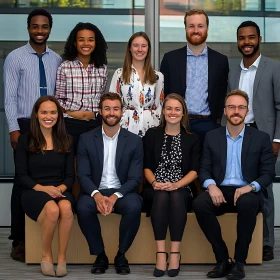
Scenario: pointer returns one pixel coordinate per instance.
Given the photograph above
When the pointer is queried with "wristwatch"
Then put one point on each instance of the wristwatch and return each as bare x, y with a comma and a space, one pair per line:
253, 186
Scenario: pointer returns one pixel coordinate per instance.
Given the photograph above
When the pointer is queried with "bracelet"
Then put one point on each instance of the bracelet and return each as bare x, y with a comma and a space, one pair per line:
153, 182
59, 189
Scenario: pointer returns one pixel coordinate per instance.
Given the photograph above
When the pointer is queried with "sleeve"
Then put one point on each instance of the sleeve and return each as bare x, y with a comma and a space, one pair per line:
84, 169
114, 86
11, 85
195, 153
21, 163
159, 93
135, 172
165, 71
276, 87
105, 78
148, 144
61, 86
69, 171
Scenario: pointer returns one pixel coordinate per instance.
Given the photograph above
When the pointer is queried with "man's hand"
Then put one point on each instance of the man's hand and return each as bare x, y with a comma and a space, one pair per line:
102, 203
276, 148
240, 191
14, 135
216, 195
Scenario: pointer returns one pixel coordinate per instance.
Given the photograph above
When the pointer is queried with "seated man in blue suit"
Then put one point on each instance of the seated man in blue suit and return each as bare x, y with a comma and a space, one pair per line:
237, 165
109, 168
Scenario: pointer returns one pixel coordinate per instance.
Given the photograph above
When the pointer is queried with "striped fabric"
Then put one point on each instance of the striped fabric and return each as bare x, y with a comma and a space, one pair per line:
78, 88
22, 81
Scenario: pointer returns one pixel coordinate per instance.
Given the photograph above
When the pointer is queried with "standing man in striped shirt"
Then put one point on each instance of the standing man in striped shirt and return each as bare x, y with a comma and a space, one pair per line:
29, 72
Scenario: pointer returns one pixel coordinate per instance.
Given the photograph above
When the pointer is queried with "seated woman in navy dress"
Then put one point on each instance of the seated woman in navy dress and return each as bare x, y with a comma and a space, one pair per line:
45, 168
171, 162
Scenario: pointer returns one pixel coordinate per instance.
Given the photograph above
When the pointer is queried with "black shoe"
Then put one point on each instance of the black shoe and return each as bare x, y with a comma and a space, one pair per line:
18, 252
268, 254
174, 272
121, 265
159, 272
101, 264
220, 270
237, 271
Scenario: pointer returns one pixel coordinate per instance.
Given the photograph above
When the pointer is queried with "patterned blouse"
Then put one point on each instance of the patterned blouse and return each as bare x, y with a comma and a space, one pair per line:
170, 165
142, 103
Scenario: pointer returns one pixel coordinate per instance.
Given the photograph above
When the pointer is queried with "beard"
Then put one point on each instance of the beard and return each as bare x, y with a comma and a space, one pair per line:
112, 123
33, 40
229, 118
255, 49
196, 41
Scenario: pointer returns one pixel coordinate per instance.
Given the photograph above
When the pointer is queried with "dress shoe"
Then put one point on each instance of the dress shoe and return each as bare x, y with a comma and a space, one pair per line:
159, 272
18, 252
174, 272
237, 271
101, 264
47, 268
61, 269
268, 254
121, 264
220, 270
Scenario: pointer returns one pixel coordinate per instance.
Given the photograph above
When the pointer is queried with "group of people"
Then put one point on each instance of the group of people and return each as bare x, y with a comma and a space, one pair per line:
149, 130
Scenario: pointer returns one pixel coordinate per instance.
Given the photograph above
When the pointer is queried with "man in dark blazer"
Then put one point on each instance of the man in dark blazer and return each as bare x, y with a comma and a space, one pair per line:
197, 73
237, 164
110, 168
259, 77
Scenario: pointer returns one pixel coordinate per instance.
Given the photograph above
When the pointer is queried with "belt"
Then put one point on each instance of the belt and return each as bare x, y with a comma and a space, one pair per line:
198, 117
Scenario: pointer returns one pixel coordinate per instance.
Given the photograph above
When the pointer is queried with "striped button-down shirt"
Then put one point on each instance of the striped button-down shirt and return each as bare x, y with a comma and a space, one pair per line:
79, 88
22, 81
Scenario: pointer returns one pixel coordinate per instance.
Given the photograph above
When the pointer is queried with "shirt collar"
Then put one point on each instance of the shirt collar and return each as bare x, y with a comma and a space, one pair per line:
204, 52
255, 64
31, 50
241, 134
116, 135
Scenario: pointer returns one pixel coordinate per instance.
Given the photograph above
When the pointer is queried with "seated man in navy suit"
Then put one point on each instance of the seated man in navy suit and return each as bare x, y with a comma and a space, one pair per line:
109, 168
237, 165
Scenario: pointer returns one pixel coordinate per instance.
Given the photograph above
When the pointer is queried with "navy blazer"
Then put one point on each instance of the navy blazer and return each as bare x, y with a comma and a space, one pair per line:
129, 160
257, 161
174, 67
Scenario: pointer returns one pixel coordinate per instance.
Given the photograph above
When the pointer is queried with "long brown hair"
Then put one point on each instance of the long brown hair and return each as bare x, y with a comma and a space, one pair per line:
149, 73
185, 119
61, 139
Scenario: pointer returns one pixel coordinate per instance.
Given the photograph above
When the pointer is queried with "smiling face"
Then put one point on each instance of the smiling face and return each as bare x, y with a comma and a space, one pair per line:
248, 41
39, 30
173, 111
85, 43
196, 29
139, 49
111, 112
47, 115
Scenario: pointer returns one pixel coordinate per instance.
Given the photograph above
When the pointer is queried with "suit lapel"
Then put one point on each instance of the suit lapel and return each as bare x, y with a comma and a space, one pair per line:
99, 146
236, 78
223, 150
120, 146
183, 69
245, 146
159, 141
211, 71
259, 73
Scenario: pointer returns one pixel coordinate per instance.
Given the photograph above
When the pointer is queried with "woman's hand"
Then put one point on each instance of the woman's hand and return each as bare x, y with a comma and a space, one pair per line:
158, 186
52, 191
169, 186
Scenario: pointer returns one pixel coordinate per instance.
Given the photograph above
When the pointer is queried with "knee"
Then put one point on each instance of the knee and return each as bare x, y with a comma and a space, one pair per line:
51, 212
199, 204
65, 209
86, 206
135, 206
248, 202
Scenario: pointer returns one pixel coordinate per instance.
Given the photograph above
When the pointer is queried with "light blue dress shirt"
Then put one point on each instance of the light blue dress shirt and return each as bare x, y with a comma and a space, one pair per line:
197, 83
233, 176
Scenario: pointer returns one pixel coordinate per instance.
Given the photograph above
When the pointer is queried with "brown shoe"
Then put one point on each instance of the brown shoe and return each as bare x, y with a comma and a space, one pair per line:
18, 252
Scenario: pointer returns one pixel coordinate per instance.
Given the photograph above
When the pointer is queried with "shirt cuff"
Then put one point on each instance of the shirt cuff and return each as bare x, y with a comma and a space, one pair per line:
208, 182
94, 192
276, 140
118, 194
258, 187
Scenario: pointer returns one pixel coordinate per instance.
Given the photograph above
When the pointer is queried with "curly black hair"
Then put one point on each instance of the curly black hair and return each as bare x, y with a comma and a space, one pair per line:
39, 12
98, 56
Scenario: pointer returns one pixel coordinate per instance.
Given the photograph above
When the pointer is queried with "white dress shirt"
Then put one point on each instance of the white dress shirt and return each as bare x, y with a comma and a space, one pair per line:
109, 179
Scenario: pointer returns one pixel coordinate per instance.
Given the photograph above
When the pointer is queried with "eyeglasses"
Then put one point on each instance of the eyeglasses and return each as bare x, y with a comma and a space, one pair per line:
240, 107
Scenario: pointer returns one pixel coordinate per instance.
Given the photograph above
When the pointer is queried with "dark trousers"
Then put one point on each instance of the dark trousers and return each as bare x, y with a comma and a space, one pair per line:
170, 209
77, 127
17, 213
129, 207
247, 208
202, 126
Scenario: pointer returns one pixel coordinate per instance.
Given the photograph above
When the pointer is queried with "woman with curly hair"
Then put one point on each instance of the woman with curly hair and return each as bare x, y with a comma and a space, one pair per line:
140, 86
82, 78
45, 170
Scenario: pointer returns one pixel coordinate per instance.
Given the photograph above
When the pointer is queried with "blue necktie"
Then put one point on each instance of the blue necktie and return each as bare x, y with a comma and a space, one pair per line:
43, 82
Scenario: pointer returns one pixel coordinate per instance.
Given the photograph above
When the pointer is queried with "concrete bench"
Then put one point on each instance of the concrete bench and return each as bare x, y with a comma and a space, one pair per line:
195, 247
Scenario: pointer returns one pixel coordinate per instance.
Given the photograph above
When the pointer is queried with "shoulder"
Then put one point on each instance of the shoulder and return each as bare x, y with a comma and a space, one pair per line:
66, 64
257, 134
54, 54
270, 61
154, 131
217, 54
16, 54
159, 75
118, 72
213, 134
132, 136
175, 53
90, 135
